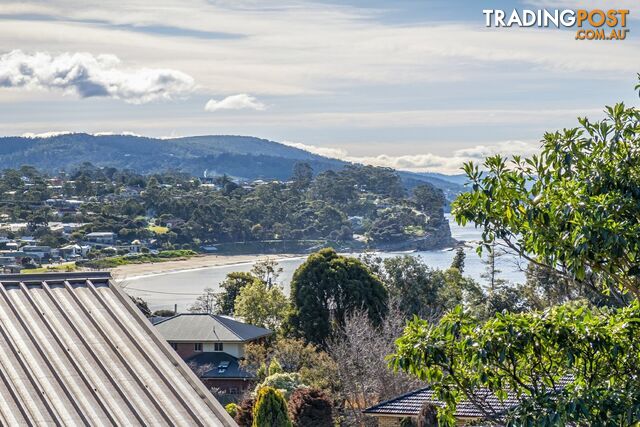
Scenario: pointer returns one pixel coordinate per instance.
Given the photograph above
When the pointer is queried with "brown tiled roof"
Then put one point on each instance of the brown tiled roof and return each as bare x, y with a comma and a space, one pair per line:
76, 351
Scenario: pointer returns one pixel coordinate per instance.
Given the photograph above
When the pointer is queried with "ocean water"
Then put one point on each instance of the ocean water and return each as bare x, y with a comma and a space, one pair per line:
162, 291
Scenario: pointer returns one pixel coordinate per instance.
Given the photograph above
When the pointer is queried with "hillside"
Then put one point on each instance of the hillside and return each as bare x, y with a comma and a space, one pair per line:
238, 156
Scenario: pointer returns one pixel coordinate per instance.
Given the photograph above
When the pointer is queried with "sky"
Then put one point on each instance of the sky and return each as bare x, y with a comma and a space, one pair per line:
415, 85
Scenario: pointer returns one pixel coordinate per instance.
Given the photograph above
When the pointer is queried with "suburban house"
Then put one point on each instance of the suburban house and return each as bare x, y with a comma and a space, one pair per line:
213, 346
100, 239
395, 412
77, 351
74, 251
38, 252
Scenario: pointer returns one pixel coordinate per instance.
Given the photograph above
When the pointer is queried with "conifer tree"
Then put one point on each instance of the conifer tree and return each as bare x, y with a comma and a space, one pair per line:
270, 409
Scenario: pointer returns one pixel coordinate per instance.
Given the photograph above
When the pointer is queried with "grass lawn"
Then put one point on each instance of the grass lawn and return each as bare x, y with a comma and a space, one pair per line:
65, 267
158, 229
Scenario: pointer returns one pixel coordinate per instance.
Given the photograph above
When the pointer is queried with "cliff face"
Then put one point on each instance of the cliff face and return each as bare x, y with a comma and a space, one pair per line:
438, 237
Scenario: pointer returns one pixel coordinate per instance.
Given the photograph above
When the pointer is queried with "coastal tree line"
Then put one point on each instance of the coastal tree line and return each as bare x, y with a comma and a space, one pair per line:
330, 206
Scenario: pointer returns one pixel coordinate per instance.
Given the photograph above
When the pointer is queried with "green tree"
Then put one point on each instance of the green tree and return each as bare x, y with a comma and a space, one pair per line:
261, 305
267, 270
416, 289
274, 367
326, 287
413, 285
458, 260
231, 287
310, 407
570, 365
302, 175
270, 409
574, 207
545, 287
430, 200
492, 272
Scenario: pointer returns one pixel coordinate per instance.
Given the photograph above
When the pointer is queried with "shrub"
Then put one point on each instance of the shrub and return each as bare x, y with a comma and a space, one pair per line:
285, 382
270, 409
244, 414
232, 409
275, 367
310, 407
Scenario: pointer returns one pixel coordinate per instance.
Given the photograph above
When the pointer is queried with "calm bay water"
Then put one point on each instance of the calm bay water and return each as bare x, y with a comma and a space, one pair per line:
182, 287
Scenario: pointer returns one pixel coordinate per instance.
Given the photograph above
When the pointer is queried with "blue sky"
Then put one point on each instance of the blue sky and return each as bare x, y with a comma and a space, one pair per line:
419, 85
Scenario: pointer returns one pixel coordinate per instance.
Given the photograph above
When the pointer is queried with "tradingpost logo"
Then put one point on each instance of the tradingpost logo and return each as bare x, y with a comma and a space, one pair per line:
596, 24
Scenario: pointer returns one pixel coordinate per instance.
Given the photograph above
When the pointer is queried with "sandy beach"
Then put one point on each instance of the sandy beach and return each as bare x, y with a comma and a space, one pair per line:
201, 261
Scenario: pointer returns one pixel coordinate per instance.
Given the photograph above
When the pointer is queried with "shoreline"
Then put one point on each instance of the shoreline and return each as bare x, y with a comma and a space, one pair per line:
200, 262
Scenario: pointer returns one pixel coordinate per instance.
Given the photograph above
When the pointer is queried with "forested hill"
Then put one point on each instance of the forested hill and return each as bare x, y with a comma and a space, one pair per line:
238, 156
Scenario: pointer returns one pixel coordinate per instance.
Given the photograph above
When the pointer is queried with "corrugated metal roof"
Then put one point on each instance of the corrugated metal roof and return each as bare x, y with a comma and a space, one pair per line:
76, 351
208, 327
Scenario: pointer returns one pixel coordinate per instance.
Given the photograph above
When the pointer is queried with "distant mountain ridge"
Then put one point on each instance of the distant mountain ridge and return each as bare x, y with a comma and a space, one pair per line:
242, 157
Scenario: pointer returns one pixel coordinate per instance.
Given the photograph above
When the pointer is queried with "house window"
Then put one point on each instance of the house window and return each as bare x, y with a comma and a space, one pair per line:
174, 346
217, 346
197, 346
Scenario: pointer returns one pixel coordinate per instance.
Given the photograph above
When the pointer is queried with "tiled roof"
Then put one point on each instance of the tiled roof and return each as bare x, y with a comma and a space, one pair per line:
217, 364
76, 351
410, 404
208, 327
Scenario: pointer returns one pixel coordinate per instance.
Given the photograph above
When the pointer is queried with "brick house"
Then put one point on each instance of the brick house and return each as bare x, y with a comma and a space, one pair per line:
400, 410
213, 346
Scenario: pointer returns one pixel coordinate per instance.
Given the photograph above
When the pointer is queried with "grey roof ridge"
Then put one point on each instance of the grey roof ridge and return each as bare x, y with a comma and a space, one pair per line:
213, 316
217, 317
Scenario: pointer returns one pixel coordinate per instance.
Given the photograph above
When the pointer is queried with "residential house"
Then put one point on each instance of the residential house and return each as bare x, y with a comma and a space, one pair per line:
129, 192
74, 251
213, 346
135, 247
11, 269
6, 260
77, 351
393, 412
12, 246
37, 252
100, 239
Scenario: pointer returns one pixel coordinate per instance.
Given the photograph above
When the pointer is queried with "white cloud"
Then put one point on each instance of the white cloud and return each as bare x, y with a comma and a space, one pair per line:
123, 133
45, 134
51, 134
86, 75
428, 162
311, 48
335, 153
241, 101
